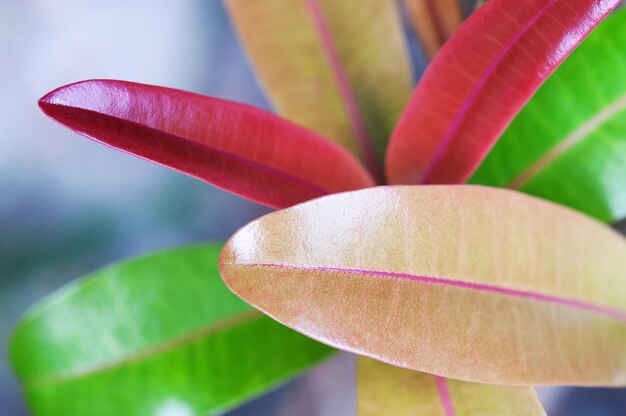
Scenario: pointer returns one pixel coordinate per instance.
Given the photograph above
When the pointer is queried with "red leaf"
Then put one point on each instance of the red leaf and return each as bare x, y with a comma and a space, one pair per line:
480, 80
239, 148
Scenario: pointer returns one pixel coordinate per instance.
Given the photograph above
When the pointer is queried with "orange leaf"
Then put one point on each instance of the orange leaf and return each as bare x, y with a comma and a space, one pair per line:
434, 21
466, 282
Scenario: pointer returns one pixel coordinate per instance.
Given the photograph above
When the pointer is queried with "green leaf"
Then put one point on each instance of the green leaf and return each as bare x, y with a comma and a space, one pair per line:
569, 143
152, 336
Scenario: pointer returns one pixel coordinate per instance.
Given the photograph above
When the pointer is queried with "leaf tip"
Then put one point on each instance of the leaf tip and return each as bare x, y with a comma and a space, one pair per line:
70, 95
241, 249
47, 102
226, 259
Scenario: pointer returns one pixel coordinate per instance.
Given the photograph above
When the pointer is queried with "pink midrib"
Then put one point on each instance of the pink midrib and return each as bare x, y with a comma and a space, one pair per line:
444, 396
345, 89
447, 138
614, 313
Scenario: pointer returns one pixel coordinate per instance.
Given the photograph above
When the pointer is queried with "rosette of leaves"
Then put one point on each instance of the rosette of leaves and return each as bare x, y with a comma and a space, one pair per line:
462, 297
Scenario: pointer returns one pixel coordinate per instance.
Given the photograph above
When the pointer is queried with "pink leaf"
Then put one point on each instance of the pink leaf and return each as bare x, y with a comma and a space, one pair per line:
236, 147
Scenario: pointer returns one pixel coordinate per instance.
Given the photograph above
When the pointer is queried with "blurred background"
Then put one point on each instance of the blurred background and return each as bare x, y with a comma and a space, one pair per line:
69, 206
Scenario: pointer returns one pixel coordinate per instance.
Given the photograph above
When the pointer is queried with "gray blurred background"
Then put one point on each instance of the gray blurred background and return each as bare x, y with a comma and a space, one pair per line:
69, 205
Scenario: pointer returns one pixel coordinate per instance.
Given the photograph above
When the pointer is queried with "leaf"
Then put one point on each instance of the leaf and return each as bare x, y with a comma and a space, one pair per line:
435, 21
239, 148
480, 80
393, 391
340, 68
569, 143
465, 282
155, 335
478, 4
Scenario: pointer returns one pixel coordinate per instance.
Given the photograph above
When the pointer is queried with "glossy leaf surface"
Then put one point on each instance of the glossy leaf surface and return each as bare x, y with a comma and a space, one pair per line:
434, 21
155, 335
480, 80
340, 68
385, 390
237, 147
466, 282
569, 143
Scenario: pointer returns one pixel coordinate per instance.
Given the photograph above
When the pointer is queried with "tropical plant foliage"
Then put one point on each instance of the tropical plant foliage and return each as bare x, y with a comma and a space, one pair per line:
567, 144
155, 332
469, 283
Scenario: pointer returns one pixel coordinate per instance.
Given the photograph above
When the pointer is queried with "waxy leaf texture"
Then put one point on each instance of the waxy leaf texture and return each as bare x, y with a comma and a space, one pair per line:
569, 143
385, 390
466, 282
480, 80
340, 68
434, 21
234, 146
156, 335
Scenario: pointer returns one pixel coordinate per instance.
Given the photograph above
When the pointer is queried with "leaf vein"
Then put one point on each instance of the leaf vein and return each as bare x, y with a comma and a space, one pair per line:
148, 352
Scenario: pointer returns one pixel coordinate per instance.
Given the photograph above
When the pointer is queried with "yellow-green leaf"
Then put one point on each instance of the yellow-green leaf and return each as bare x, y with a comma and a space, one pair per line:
466, 282
385, 390
340, 68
